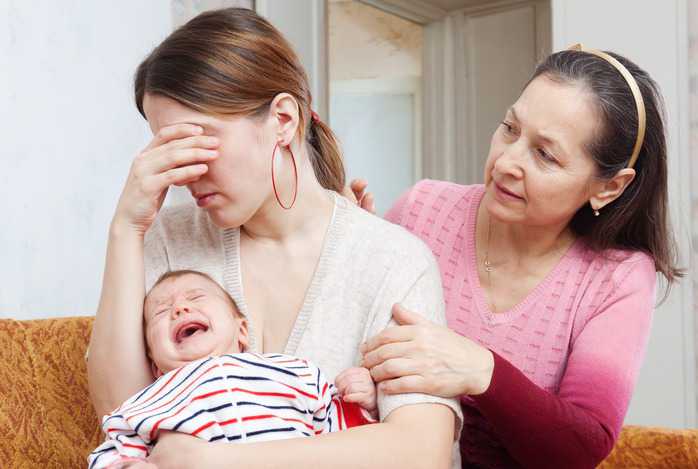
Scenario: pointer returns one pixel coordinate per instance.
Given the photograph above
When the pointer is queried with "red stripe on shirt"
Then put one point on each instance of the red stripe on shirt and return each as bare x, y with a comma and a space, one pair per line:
142, 448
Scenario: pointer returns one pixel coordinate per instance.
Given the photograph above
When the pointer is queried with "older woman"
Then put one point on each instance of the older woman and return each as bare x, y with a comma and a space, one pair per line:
549, 269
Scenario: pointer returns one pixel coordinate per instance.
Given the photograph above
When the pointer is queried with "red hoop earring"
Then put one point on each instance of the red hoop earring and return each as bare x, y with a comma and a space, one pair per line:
273, 179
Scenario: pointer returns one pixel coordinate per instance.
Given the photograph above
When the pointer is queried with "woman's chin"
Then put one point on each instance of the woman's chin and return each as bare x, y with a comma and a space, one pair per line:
224, 219
500, 212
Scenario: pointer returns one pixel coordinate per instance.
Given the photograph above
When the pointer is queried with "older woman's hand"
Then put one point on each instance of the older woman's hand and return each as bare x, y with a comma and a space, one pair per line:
419, 356
356, 192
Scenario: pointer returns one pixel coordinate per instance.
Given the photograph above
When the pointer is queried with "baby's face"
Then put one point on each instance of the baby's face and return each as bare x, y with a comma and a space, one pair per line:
188, 317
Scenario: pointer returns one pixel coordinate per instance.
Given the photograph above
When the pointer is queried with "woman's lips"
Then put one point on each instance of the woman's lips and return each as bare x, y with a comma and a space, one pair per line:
205, 200
505, 194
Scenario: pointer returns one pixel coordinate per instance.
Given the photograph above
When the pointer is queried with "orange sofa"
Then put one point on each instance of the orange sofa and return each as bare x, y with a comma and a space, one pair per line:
47, 421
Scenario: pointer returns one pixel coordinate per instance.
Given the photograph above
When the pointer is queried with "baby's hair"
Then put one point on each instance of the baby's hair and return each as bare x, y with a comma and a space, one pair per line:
179, 273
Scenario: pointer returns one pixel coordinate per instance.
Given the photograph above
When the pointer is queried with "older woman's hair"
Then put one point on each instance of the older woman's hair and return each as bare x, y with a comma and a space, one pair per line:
234, 62
639, 218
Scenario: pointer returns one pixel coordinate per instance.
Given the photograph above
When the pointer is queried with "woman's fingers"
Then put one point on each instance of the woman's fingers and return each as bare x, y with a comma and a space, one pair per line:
367, 203
364, 199
183, 152
349, 194
358, 186
172, 132
386, 352
389, 335
356, 192
404, 384
405, 317
394, 368
176, 176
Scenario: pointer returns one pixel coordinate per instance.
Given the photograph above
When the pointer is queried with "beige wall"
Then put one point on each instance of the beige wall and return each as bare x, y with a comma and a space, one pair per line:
368, 43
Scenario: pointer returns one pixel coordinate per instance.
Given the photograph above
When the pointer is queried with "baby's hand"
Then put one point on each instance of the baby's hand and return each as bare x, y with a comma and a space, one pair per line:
355, 385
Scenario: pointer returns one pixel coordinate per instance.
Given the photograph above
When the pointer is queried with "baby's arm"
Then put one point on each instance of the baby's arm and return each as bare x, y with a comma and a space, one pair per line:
122, 446
356, 385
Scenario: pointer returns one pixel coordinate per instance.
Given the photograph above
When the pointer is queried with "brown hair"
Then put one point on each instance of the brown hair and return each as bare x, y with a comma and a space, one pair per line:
234, 62
639, 218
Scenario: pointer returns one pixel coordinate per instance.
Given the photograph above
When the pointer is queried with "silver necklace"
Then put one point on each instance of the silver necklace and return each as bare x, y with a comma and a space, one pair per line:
488, 265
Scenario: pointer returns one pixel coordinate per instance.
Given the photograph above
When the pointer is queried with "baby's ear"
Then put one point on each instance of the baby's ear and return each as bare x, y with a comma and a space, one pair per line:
243, 334
155, 370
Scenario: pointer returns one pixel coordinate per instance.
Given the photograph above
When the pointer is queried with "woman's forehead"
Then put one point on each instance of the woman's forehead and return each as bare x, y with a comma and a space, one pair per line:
161, 111
561, 111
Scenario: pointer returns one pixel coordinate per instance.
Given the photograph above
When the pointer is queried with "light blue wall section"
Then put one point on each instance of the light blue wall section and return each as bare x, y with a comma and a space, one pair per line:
69, 130
376, 133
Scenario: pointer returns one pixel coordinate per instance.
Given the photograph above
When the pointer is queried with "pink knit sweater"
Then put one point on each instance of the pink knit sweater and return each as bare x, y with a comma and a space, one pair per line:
566, 358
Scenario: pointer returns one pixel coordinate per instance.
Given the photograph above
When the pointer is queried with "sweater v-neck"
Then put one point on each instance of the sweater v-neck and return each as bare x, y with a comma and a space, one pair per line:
486, 313
232, 276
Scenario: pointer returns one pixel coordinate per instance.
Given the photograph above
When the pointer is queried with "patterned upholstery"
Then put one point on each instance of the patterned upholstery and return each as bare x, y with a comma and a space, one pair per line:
652, 447
47, 421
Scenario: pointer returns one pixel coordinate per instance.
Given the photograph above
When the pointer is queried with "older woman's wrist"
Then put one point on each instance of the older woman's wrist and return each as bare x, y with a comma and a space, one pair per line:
483, 378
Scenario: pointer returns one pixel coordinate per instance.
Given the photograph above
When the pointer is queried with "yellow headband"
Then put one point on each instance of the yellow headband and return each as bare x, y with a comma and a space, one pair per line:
639, 103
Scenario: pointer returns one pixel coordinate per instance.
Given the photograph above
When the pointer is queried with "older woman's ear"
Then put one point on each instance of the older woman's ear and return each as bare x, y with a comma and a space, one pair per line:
606, 192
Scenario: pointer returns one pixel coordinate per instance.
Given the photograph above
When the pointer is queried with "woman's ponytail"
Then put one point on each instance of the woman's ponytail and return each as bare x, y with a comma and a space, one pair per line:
326, 156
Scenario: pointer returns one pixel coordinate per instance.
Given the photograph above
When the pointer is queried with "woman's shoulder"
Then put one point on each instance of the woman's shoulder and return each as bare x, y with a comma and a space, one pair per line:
374, 239
612, 277
428, 198
621, 265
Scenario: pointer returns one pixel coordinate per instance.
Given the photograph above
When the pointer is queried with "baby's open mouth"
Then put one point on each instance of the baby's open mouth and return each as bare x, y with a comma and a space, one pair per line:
189, 329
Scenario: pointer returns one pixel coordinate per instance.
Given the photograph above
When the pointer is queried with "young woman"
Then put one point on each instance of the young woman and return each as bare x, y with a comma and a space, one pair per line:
314, 275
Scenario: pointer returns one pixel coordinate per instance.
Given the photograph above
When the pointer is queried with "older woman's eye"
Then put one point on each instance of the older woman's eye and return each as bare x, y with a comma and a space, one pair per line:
508, 127
546, 156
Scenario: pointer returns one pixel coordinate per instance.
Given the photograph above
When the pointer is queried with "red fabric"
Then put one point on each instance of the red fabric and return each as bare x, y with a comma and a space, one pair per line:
353, 415
539, 429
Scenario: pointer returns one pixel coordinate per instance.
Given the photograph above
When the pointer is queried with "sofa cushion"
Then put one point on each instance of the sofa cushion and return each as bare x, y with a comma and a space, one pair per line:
652, 447
46, 418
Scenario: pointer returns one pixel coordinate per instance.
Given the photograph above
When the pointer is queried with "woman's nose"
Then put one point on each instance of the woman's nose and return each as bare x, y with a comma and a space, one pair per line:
509, 161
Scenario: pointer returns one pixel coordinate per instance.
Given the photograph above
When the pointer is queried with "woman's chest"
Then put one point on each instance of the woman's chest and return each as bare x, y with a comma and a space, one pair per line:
275, 294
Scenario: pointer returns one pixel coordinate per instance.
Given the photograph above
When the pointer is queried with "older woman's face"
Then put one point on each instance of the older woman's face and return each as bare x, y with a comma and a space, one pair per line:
538, 171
